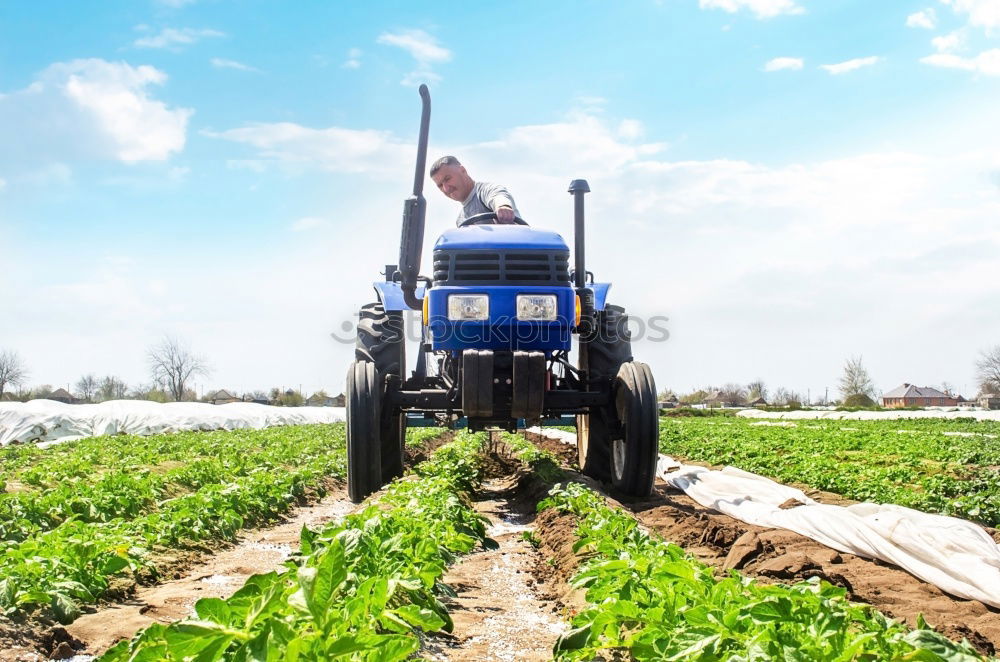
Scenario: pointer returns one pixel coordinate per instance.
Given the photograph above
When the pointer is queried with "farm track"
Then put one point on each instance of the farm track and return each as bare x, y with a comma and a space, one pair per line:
776, 555
501, 611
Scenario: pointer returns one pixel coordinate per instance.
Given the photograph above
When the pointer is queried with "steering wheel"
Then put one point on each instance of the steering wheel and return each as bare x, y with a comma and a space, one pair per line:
489, 217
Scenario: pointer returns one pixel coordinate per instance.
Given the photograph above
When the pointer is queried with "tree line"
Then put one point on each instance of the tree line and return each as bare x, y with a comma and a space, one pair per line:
172, 365
855, 386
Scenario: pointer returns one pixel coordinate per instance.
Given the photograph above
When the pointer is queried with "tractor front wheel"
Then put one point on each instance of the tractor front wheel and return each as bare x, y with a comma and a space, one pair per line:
364, 430
634, 450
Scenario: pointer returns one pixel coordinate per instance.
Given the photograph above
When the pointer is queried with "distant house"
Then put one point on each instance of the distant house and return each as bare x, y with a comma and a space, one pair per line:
62, 395
339, 400
909, 395
718, 399
989, 401
320, 400
222, 396
759, 402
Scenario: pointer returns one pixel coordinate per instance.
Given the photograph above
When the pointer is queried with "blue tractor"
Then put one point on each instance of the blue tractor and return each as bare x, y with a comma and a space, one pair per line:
499, 317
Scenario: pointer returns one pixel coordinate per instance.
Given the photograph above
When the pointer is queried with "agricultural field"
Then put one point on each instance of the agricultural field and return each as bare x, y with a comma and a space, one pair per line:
950, 467
489, 548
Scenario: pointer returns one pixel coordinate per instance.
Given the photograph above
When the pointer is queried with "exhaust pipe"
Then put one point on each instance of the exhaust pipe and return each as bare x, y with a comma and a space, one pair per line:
414, 212
579, 188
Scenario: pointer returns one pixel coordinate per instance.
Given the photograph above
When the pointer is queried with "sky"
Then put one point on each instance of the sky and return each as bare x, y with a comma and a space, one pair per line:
790, 182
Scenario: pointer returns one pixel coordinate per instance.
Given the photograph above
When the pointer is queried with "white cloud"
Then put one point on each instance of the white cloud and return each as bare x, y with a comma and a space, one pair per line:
333, 149
631, 129
220, 63
925, 18
309, 223
987, 62
353, 60
779, 63
948, 42
424, 48
86, 109
173, 38
850, 65
760, 8
982, 13
3, 184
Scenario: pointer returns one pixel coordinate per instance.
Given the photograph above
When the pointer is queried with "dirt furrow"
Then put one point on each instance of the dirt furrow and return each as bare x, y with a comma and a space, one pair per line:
500, 611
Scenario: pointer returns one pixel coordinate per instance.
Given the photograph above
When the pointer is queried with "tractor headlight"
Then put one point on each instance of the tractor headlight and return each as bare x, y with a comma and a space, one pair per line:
536, 307
468, 307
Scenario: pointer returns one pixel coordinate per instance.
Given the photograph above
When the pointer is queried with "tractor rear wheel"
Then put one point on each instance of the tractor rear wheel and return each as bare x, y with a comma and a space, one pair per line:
634, 452
364, 443
381, 341
610, 347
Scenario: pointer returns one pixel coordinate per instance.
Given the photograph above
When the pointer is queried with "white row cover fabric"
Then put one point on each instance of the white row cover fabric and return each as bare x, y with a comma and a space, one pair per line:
47, 421
978, 414
955, 555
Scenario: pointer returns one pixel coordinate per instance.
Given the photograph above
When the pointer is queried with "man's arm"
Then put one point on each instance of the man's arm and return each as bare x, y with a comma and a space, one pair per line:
499, 199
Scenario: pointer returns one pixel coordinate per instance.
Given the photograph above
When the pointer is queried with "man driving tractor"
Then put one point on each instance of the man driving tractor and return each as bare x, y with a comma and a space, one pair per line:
454, 181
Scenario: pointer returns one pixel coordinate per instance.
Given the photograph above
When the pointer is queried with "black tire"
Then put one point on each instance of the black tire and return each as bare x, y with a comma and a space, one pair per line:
634, 454
593, 446
364, 461
381, 341
393, 436
608, 349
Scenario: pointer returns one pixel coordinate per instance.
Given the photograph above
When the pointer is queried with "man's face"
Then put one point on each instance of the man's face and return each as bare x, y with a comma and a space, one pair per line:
454, 182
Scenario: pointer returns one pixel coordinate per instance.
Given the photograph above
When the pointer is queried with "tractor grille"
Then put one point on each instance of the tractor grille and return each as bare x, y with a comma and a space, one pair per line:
497, 268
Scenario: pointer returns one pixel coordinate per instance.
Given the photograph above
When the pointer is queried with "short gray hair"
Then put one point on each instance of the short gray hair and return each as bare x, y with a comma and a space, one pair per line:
442, 162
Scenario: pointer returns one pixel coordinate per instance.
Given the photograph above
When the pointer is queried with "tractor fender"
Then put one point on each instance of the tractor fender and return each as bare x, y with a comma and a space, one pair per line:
600, 294
391, 295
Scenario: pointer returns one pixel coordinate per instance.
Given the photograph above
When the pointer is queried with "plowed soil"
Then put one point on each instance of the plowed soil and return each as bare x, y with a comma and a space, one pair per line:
778, 555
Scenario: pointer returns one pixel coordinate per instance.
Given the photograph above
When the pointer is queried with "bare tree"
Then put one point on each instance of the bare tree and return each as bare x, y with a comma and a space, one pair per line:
756, 389
86, 387
987, 370
784, 397
733, 393
856, 380
12, 370
172, 365
111, 388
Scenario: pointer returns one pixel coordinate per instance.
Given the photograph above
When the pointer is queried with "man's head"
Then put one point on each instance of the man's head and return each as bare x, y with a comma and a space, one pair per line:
451, 178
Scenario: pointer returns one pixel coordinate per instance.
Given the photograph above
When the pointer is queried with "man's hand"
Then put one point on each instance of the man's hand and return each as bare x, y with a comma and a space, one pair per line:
505, 214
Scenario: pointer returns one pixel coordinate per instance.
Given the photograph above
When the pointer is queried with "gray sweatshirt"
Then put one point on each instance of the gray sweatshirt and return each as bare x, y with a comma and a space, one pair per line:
486, 197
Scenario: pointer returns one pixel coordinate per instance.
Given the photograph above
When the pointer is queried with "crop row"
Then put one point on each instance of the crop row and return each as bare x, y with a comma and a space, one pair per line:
910, 463
99, 480
360, 588
75, 561
650, 601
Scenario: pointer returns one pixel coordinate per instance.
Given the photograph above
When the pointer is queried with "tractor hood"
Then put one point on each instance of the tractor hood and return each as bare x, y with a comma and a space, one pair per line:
497, 237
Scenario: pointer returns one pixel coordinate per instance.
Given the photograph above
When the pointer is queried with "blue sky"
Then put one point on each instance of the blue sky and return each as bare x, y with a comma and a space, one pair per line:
792, 182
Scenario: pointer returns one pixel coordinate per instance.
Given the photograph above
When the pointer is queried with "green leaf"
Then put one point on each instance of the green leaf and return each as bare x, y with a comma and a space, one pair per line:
573, 640
946, 649
420, 617
65, 608
214, 609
